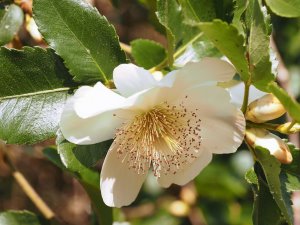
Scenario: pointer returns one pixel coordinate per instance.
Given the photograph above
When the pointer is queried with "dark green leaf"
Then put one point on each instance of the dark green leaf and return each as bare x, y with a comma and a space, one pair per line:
291, 106
147, 53
285, 8
258, 47
11, 19
81, 36
290, 174
233, 47
33, 90
18, 218
271, 169
265, 209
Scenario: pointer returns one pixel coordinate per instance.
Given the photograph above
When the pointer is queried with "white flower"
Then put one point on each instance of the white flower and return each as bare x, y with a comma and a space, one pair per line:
172, 126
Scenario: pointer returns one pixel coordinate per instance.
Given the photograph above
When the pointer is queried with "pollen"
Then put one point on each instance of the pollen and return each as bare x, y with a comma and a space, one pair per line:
164, 138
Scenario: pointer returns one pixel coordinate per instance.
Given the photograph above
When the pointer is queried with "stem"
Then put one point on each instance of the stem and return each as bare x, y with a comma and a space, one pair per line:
182, 48
290, 126
268, 126
246, 97
28, 189
125, 47
103, 213
164, 63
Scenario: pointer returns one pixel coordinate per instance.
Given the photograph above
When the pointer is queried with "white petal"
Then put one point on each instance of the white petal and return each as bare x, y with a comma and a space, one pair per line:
188, 173
92, 101
206, 72
119, 185
130, 79
222, 124
237, 94
90, 130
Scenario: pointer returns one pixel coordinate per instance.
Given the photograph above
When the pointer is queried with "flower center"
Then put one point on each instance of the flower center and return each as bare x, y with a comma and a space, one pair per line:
165, 137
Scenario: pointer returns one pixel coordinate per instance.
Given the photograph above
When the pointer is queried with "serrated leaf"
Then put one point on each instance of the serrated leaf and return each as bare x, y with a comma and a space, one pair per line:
291, 106
258, 46
271, 169
265, 209
81, 36
290, 174
233, 47
33, 90
285, 8
18, 218
147, 53
11, 19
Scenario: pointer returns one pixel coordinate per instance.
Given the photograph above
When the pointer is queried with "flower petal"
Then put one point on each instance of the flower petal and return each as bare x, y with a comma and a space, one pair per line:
237, 94
119, 185
206, 72
222, 124
188, 173
92, 101
90, 130
130, 79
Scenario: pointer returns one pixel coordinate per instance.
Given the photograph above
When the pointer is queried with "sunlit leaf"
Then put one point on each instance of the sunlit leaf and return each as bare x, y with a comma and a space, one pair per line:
18, 218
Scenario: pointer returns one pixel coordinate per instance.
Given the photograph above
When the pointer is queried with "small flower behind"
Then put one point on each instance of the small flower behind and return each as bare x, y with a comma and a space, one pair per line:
172, 126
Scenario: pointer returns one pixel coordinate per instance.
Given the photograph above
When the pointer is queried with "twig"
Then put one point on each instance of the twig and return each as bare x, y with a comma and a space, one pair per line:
26, 187
125, 47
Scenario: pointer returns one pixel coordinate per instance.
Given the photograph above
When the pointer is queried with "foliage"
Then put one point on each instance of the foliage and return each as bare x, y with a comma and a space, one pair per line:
83, 48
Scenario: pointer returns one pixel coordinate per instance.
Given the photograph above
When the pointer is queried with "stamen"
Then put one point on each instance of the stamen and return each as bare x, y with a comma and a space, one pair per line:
167, 137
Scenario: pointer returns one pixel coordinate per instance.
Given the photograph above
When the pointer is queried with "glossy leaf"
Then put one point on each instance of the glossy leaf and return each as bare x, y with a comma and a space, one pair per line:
271, 169
33, 92
258, 47
239, 10
11, 19
81, 36
18, 218
285, 8
233, 47
147, 53
291, 106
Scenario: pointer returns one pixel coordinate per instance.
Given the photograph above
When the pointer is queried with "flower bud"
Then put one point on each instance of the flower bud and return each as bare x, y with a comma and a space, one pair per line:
276, 146
265, 108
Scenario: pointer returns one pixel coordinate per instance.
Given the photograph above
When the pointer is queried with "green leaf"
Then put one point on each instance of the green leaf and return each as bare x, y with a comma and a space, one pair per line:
291, 106
271, 169
233, 47
290, 174
258, 47
18, 218
11, 19
81, 36
147, 53
285, 8
240, 7
33, 89
168, 14
265, 209
196, 11
251, 177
